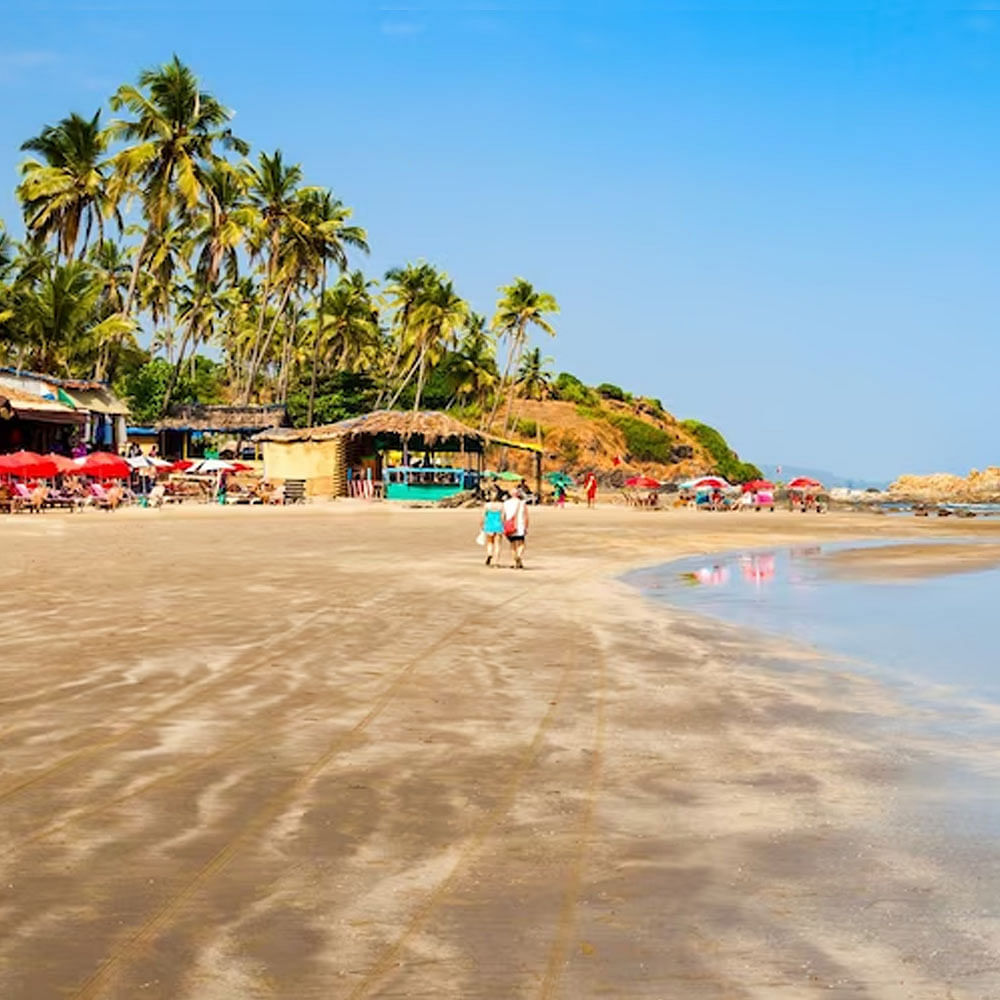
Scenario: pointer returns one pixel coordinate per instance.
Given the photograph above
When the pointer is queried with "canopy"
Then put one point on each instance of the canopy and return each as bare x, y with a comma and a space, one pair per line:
804, 483
147, 462
103, 465
757, 484
214, 465
707, 482
25, 464
643, 482
559, 479
63, 464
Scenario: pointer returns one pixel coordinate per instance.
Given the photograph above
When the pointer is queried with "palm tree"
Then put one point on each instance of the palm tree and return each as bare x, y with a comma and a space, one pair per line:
57, 313
534, 379
404, 288
199, 308
437, 316
347, 327
329, 235
175, 128
474, 363
519, 307
275, 195
223, 222
68, 186
7, 258
115, 331
167, 254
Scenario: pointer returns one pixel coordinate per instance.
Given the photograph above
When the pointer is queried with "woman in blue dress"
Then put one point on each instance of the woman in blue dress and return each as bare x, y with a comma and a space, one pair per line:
493, 530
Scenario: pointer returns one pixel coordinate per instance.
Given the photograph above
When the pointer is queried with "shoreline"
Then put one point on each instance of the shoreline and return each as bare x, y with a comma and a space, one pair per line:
422, 775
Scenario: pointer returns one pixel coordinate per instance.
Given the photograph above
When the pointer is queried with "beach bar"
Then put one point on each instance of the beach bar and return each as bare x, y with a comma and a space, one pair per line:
390, 454
183, 431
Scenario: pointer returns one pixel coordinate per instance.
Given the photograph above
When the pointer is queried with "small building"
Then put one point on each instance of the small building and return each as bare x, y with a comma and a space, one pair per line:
394, 454
189, 428
43, 413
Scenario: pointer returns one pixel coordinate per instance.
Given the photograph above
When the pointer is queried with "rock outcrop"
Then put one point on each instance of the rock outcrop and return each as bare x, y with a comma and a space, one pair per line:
978, 487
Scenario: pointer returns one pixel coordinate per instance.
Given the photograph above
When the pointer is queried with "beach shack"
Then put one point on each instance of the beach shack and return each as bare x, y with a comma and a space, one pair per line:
189, 429
43, 413
390, 454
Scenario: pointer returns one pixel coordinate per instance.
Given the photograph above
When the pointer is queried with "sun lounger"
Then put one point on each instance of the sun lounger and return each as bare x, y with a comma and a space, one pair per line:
56, 498
31, 500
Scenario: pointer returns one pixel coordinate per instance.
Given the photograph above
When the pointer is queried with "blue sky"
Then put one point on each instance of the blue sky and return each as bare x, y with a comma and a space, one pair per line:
780, 221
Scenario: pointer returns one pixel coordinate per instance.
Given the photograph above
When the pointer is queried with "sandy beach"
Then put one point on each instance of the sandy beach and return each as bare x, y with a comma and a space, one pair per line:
325, 752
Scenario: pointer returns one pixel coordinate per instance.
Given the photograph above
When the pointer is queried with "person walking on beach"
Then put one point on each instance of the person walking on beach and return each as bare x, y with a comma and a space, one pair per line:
515, 526
590, 488
493, 530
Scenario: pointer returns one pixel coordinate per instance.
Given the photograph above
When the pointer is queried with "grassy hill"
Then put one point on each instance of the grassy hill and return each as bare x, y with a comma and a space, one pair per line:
617, 435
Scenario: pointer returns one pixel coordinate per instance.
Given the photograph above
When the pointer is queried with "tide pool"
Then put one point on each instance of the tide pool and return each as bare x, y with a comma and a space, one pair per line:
937, 632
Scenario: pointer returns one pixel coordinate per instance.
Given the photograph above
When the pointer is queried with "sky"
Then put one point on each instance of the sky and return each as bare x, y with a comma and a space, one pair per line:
778, 218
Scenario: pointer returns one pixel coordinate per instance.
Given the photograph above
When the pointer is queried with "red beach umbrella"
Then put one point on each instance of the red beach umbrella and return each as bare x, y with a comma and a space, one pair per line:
63, 464
757, 484
181, 465
710, 482
805, 483
643, 482
104, 465
26, 464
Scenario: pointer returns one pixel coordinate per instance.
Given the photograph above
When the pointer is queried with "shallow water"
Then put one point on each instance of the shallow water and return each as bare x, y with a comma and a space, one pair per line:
933, 639
936, 631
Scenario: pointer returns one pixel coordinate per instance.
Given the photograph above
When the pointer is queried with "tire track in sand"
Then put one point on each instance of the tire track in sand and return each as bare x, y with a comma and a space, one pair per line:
473, 844
567, 915
260, 735
269, 811
191, 695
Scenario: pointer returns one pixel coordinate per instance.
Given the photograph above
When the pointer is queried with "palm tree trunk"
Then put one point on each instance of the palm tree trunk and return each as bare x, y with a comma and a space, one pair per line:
286, 359
258, 356
316, 343
175, 373
134, 279
503, 382
420, 380
404, 383
261, 316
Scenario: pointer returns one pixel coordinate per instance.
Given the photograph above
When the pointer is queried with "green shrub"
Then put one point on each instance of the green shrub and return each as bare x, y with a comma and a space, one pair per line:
590, 412
644, 442
526, 428
571, 390
610, 391
727, 462
569, 449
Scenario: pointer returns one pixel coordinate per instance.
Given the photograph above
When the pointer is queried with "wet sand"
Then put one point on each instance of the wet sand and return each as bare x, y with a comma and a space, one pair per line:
325, 752
911, 561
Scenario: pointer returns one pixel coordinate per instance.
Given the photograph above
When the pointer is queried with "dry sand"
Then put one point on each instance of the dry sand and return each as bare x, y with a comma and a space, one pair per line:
325, 753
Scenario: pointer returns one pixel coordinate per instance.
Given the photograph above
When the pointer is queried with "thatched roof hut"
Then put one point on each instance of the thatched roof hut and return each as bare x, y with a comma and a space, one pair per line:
301, 452
432, 428
222, 419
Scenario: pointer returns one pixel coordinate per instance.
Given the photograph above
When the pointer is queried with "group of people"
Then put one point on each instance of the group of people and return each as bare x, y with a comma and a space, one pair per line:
505, 516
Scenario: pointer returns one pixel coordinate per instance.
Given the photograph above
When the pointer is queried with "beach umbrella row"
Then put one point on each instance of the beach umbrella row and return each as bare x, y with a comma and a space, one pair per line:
28, 464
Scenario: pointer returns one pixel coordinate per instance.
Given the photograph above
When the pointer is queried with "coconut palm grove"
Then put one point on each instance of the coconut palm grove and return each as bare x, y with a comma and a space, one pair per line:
163, 255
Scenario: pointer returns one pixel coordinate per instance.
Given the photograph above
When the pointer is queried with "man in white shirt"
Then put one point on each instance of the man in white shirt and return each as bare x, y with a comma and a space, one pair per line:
515, 526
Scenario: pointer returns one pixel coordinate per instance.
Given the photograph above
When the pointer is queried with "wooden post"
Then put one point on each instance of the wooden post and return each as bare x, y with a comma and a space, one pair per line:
538, 475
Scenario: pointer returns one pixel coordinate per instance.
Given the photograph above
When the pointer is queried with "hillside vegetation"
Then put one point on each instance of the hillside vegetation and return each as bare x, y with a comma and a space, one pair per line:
617, 435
